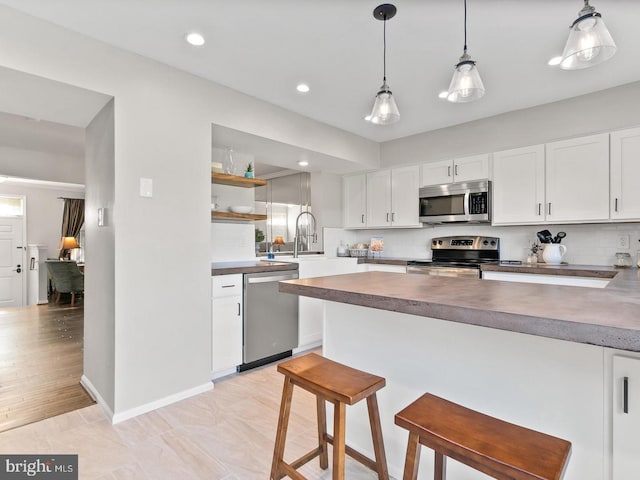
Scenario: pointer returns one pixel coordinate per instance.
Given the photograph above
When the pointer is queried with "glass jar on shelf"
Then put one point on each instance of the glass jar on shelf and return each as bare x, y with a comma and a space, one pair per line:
229, 162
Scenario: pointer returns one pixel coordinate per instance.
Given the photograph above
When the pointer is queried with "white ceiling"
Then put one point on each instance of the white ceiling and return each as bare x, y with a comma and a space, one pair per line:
265, 48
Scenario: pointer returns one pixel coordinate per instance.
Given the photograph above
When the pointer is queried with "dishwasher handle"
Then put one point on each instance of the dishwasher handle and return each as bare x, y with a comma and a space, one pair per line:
272, 278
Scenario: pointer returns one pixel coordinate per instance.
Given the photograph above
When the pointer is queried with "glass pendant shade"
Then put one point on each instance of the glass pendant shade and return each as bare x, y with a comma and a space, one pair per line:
589, 42
466, 84
385, 111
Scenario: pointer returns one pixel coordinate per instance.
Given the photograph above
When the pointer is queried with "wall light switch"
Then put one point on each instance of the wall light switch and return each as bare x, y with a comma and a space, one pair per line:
146, 187
101, 215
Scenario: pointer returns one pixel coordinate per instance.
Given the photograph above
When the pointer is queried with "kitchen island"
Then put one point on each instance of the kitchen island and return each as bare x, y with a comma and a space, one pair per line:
541, 356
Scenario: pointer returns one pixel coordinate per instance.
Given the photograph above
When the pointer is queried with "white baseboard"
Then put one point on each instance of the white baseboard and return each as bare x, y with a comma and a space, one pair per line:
86, 383
309, 346
168, 400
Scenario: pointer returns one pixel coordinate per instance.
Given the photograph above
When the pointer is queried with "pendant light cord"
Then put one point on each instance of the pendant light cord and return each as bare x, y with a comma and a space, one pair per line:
384, 50
465, 26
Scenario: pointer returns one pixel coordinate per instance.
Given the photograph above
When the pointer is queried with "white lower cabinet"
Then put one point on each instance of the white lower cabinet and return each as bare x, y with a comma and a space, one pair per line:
226, 329
626, 417
385, 267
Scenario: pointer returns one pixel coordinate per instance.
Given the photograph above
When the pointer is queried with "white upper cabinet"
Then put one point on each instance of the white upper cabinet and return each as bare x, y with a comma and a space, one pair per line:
577, 179
463, 169
625, 172
404, 197
518, 186
354, 201
392, 198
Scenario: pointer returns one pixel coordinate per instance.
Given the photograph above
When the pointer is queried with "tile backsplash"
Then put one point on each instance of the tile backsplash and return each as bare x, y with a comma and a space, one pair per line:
592, 244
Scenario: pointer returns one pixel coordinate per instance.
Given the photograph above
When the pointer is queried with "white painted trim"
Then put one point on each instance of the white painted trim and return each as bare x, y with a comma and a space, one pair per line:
86, 383
223, 373
148, 407
77, 187
309, 346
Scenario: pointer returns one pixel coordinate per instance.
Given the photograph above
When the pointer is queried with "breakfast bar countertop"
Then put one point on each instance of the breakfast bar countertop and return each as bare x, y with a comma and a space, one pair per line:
608, 317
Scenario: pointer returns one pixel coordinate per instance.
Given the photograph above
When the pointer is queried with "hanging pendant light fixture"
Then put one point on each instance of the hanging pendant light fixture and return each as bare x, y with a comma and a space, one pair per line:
385, 111
466, 84
589, 41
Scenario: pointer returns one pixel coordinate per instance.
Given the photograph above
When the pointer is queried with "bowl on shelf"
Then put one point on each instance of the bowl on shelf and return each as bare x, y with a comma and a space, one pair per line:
240, 209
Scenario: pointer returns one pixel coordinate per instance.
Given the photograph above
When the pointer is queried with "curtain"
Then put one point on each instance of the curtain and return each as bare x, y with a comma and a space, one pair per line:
72, 218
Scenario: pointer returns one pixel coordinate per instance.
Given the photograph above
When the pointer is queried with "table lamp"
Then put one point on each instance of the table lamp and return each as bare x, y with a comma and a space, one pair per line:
278, 241
66, 244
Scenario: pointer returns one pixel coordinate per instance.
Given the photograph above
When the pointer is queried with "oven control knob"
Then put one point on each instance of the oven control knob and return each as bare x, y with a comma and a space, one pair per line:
493, 243
435, 242
439, 242
486, 242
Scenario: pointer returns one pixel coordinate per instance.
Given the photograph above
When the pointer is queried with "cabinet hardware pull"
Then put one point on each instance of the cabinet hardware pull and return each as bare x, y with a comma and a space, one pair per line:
616, 209
393, 216
448, 171
227, 286
625, 395
362, 220
238, 308
540, 209
549, 208
456, 170
387, 217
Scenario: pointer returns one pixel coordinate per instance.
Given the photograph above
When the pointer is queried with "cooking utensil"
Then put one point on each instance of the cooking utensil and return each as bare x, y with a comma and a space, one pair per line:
545, 236
558, 238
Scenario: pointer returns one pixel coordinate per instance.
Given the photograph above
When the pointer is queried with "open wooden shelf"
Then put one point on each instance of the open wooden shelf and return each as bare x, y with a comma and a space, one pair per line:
237, 181
238, 216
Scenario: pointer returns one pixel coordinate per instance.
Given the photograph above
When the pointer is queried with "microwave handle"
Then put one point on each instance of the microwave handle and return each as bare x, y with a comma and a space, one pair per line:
467, 204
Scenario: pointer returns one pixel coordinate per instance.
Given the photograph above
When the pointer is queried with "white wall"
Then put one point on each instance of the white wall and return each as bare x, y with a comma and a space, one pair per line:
162, 123
44, 212
597, 112
54, 167
100, 324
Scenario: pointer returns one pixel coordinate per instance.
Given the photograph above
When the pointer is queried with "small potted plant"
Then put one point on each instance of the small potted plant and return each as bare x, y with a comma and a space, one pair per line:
259, 239
249, 172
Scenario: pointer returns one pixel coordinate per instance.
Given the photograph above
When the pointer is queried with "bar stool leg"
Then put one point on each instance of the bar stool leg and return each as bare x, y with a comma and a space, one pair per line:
440, 467
281, 435
412, 460
322, 432
339, 413
376, 434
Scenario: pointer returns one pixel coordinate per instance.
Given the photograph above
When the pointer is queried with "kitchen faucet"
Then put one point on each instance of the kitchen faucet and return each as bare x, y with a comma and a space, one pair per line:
296, 238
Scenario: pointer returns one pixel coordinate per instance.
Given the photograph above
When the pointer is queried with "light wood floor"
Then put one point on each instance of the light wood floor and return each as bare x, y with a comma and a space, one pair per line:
40, 363
225, 434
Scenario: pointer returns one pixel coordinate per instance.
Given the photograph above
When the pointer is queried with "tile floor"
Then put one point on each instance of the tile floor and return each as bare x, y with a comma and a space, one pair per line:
225, 434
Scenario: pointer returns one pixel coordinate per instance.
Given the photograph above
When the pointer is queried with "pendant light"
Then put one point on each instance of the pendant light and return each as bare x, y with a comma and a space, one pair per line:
466, 84
385, 111
589, 41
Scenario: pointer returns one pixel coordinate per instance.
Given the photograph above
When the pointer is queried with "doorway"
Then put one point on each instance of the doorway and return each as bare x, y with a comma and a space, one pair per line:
12, 255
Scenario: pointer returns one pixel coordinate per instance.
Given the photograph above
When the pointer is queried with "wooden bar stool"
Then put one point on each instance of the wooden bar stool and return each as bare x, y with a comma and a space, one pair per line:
501, 450
341, 385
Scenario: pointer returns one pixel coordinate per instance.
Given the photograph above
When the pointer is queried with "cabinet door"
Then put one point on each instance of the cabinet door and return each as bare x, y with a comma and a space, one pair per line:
379, 198
626, 418
625, 172
404, 197
475, 167
354, 200
436, 173
518, 186
227, 333
577, 179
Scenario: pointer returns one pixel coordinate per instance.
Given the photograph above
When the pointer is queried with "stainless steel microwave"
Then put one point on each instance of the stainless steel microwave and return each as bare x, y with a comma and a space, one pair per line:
456, 202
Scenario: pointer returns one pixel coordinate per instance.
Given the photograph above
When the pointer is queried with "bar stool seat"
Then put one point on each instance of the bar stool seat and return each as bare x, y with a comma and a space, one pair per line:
341, 385
497, 448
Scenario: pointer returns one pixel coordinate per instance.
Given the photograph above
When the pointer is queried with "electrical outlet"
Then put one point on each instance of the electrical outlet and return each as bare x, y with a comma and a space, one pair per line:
623, 241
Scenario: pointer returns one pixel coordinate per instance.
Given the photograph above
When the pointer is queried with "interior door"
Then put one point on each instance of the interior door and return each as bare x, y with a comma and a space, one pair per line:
11, 257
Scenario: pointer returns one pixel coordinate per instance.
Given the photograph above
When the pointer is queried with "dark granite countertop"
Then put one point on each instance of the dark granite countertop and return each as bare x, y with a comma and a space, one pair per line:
250, 266
608, 317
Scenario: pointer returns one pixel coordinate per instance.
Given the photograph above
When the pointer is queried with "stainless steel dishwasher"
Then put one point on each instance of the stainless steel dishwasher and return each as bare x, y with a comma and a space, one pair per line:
270, 319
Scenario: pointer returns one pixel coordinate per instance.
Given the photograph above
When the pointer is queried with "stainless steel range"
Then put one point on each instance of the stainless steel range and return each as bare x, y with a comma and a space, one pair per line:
459, 256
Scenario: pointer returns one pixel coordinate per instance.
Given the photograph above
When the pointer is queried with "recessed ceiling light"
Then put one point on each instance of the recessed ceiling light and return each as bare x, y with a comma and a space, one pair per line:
443, 94
195, 39
303, 163
555, 61
303, 88
368, 118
